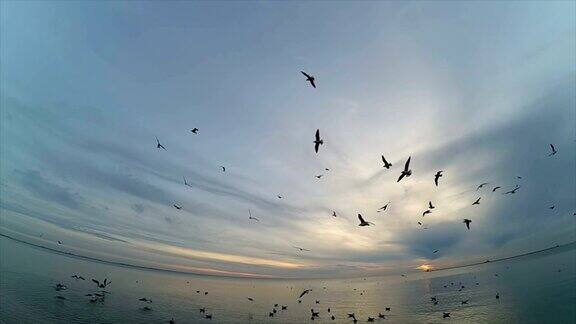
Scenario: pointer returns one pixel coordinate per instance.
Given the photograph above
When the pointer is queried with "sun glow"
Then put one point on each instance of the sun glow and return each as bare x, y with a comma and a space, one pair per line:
425, 267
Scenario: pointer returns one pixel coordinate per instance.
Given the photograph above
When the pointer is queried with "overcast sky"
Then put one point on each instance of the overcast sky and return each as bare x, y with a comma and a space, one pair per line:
478, 90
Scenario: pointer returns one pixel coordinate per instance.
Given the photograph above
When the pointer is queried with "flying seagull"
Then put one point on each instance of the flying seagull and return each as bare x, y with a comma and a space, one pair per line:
223, 168
363, 222
426, 212
301, 250
317, 141
406, 172
513, 191
177, 207
334, 214
251, 217
496, 188
435, 251
482, 185
194, 130
467, 222
309, 78
477, 202
186, 182
437, 176
430, 205
319, 176
387, 164
279, 197
304, 293
158, 145
383, 208
102, 285
553, 150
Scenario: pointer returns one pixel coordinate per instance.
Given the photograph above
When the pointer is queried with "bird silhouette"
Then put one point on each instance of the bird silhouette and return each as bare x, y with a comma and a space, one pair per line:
223, 168
496, 188
406, 172
301, 250
363, 222
437, 176
430, 205
194, 130
513, 191
250, 298
477, 202
481, 185
177, 207
186, 182
319, 176
387, 165
334, 214
553, 150
306, 291
426, 212
467, 222
158, 145
446, 315
317, 141
383, 208
309, 78
251, 217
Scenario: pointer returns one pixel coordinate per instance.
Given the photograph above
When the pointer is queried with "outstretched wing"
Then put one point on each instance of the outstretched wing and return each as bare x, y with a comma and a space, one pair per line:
317, 135
407, 165
361, 219
305, 74
553, 149
312, 83
436, 179
401, 176
316, 147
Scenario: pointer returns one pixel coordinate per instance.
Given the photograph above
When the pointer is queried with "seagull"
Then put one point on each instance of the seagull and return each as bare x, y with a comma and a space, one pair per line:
177, 207
482, 185
551, 207
437, 176
497, 295
59, 242
467, 222
465, 302
279, 197
406, 172
383, 208
380, 315
186, 182
194, 130
426, 212
309, 78
363, 222
319, 176
101, 285
250, 298
314, 314
251, 217
145, 300
304, 293
387, 164
317, 141
158, 145
334, 214
430, 205
223, 169
446, 315
553, 150
513, 191
301, 250
496, 188
477, 202
435, 251
203, 310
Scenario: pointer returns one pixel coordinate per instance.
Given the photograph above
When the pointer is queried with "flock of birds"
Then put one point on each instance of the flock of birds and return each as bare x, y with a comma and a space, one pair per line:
99, 295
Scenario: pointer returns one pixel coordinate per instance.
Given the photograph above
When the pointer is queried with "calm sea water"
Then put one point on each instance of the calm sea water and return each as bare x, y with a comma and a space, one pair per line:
536, 289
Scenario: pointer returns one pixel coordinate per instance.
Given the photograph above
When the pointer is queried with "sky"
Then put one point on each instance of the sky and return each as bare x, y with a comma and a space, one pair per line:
476, 89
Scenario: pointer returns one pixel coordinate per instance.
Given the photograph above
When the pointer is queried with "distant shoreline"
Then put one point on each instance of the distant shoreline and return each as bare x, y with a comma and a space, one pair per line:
146, 268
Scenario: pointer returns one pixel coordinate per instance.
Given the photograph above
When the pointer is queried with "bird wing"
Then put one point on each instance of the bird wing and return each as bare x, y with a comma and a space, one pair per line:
436, 180
552, 146
312, 83
407, 165
361, 219
384, 160
96, 281
316, 147
318, 135
401, 176
305, 74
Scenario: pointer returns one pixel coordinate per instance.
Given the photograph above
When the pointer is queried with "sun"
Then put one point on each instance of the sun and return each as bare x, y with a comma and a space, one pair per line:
425, 267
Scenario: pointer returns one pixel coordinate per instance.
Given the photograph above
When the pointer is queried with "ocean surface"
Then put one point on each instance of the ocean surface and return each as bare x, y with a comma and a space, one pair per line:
539, 288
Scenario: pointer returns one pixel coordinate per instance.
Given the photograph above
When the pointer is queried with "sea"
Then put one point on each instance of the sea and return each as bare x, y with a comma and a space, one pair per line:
537, 288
